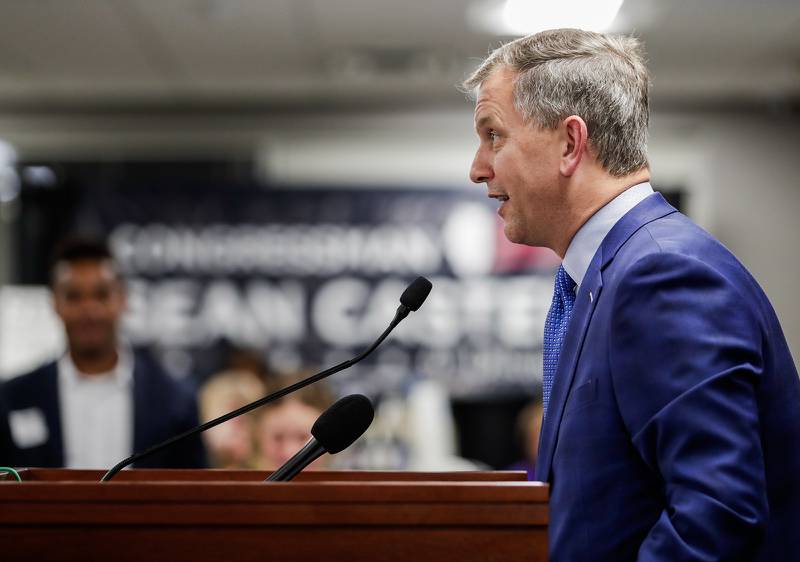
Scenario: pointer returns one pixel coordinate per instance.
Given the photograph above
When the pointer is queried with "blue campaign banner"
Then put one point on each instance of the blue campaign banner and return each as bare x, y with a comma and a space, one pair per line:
310, 277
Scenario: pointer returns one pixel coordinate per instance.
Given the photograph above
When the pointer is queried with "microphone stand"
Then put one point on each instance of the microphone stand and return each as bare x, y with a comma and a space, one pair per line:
402, 312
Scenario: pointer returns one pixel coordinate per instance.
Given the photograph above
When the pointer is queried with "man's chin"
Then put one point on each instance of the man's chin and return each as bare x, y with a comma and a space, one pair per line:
512, 234
92, 350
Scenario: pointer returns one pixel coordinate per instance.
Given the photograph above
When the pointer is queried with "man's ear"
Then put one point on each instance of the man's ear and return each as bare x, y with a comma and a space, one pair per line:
575, 139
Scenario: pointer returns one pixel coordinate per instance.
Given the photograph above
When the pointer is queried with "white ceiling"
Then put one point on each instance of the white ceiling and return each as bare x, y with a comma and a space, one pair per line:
128, 54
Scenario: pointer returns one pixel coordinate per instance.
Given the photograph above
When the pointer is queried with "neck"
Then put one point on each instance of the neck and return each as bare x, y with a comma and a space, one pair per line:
588, 197
94, 362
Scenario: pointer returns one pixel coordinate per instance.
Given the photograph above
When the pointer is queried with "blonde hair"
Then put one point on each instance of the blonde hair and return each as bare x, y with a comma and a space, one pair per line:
230, 445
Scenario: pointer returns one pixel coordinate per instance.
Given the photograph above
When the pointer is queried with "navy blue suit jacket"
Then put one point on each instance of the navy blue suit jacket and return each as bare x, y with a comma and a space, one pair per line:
162, 408
673, 431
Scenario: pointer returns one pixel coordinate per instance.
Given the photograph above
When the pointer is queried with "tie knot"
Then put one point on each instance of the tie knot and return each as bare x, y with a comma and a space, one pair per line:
564, 283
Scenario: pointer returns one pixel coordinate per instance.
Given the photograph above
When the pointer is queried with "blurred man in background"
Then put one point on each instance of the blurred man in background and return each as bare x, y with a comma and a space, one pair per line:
100, 401
671, 400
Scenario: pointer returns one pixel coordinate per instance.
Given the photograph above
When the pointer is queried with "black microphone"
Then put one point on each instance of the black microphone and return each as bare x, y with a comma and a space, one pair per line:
334, 431
411, 299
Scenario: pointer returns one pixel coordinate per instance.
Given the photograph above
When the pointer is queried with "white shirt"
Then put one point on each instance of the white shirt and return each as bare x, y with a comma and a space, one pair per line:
587, 240
96, 413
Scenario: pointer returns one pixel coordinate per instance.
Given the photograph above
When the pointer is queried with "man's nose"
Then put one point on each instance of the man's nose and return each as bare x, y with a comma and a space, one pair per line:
481, 170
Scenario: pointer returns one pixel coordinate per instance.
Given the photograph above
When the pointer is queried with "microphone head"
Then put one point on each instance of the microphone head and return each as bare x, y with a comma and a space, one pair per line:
342, 423
416, 293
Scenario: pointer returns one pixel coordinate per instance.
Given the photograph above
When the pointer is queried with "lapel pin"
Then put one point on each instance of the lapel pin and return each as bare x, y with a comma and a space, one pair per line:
591, 298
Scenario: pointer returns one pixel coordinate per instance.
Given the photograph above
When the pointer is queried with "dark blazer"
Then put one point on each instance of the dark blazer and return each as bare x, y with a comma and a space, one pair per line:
162, 407
673, 431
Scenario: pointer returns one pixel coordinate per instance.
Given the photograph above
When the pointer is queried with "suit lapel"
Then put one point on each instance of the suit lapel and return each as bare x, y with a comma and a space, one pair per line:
51, 407
650, 209
142, 428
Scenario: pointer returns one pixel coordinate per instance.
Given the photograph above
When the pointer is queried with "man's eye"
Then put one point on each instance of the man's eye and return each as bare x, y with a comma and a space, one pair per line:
102, 294
492, 135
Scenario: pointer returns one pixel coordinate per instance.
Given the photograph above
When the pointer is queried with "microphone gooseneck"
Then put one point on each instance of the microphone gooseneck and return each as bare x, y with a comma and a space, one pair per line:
411, 299
335, 430
310, 452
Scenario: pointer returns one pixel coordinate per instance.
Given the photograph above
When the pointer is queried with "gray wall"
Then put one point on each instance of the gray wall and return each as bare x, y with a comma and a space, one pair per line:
739, 169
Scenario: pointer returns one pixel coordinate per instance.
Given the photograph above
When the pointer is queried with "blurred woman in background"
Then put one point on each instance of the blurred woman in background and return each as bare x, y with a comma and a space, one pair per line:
231, 444
284, 426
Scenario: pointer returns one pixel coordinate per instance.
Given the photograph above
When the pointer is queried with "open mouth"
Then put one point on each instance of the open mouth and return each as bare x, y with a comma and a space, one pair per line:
502, 198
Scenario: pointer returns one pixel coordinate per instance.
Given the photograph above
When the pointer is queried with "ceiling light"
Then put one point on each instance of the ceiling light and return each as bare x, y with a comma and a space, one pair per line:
522, 17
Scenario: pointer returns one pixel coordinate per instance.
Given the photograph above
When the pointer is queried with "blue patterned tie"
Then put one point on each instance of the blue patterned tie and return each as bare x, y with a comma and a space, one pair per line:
555, 329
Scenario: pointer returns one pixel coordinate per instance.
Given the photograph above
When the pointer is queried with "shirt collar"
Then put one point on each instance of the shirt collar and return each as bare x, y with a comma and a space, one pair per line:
587, 240
121, 374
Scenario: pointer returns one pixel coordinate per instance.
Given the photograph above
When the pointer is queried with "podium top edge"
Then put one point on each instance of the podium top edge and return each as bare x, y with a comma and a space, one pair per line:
30, 475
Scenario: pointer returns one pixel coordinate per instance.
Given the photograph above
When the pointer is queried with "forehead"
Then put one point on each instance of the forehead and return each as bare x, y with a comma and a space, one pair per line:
496, 93
290, 413
84, 271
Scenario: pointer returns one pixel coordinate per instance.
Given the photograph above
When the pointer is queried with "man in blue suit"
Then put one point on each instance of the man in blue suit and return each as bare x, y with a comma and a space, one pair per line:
672, 403
100, 401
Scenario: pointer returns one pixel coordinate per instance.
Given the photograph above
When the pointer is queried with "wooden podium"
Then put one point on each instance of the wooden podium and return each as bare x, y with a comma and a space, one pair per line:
222, 515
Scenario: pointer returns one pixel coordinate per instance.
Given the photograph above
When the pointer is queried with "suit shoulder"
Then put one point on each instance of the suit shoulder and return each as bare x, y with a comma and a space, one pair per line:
680, 259
153, 377
676, 238
674, 233
31, 380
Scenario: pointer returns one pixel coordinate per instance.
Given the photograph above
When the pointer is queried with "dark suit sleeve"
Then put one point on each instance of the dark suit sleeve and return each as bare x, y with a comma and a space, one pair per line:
686, 358
190, 452
6, 443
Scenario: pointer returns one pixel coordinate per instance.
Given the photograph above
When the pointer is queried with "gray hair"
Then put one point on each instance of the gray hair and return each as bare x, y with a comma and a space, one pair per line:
601, 78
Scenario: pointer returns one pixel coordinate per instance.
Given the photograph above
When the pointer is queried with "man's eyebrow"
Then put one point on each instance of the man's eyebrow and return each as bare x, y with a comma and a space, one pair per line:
482, 121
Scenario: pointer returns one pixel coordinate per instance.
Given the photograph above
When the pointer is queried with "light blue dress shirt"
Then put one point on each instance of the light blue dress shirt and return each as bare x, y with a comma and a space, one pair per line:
587, 240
